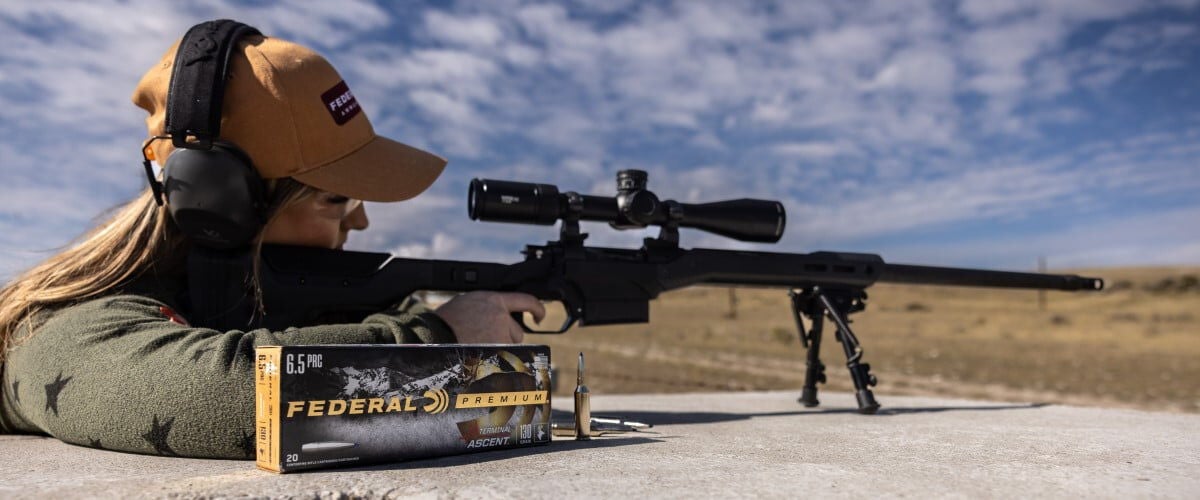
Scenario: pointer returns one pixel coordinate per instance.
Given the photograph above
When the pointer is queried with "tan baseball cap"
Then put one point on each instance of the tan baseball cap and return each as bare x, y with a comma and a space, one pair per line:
291, 112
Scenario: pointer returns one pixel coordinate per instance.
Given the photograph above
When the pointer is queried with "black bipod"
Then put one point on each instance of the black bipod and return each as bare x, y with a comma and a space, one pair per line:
815, 303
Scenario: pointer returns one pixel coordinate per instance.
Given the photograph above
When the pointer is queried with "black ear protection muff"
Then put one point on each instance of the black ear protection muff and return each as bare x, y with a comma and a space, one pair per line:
212, 190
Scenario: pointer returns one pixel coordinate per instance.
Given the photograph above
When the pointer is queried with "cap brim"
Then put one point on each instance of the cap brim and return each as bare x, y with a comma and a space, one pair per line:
382, 170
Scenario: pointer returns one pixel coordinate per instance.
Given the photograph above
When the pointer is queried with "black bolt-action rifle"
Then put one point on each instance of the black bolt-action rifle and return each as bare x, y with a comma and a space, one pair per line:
597, 286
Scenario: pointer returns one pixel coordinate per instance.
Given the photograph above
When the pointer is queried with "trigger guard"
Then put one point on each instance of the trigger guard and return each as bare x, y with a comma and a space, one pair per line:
519, 317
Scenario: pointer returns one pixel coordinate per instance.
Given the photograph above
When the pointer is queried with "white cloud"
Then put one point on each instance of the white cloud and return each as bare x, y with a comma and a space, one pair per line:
1001, 53
707, 139
773, 111
476, 31
813, 149
922, 71
582, 168
852, 44
980, 194
1145, 239
440, 245
459, 114
462, 73
875, 117
986, 11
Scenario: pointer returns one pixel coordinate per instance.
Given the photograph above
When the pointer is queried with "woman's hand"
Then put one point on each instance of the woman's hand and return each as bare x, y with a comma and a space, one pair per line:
484, 317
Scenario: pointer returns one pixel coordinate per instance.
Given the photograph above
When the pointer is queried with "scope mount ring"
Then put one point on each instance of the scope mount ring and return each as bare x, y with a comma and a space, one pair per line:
569, 233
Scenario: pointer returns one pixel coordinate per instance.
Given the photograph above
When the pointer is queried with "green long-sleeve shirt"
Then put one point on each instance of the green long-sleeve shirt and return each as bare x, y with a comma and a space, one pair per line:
119, 373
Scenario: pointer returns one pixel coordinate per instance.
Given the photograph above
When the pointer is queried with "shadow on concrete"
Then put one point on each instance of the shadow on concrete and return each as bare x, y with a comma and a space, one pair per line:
885, 411
558, 445
679, 418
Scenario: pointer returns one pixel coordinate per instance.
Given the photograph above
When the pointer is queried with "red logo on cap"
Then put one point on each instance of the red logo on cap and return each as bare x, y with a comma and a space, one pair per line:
341, 103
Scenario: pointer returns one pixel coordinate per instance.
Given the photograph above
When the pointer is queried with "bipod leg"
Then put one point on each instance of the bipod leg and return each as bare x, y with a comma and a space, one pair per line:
839, 304
804, 303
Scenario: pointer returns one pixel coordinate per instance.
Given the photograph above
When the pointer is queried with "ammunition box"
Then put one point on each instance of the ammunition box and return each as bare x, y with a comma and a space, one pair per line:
347, 405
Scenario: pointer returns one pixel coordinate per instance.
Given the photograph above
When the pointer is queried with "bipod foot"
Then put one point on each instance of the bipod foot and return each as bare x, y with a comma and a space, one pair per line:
808, 397
866, 402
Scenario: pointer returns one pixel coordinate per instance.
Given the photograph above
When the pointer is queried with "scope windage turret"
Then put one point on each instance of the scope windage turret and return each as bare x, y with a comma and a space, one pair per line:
634, 207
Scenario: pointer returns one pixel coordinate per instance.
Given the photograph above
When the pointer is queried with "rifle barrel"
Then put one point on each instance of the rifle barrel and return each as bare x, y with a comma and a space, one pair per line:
930, 275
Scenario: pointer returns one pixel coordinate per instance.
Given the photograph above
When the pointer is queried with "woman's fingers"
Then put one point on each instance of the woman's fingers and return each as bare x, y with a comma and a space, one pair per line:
486, 317
516, 333
523, 302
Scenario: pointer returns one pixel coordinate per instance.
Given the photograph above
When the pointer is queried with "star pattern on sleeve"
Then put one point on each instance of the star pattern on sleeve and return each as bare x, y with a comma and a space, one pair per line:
246, 443
157, 436
199, 352
53, 390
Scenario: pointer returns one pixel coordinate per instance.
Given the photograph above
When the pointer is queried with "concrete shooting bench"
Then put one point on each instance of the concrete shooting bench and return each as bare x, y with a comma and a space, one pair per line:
715, 445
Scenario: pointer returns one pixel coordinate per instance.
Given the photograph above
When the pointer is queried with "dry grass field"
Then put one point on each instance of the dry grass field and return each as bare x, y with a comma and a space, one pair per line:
1135, 344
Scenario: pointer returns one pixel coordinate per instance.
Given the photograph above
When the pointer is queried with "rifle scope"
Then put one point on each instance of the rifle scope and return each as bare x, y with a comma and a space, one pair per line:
634, 207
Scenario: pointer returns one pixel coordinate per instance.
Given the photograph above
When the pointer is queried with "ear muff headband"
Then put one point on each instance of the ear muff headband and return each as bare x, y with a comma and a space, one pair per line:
212, 190
197, 86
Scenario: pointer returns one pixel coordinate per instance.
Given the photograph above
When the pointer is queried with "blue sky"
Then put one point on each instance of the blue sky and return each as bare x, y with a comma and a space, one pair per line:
973, 133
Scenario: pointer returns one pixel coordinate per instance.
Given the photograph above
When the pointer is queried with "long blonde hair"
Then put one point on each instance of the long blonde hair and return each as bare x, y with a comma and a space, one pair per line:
139, 238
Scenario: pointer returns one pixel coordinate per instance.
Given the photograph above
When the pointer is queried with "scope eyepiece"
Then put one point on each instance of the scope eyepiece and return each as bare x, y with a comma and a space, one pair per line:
634, 207
522, 202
